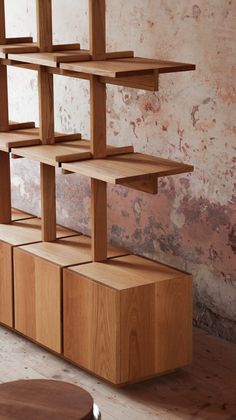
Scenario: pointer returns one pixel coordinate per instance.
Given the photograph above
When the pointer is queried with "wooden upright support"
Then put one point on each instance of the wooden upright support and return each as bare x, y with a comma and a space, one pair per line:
44, 25
46, 121
98, 118
99, 219
5, 181
5, 188
97, 29
3, 75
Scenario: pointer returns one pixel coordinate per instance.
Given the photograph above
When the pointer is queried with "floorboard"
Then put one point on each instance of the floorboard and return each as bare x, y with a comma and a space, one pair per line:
204, 390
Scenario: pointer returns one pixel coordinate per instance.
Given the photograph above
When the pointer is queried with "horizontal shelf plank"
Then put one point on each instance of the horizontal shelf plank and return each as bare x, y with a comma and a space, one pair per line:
15, 138
69, 150
127, 167
125, 67
51, 59
19, 48
54, 154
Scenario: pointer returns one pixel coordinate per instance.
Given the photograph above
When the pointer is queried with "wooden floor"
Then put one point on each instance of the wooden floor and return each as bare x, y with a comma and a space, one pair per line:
205, 390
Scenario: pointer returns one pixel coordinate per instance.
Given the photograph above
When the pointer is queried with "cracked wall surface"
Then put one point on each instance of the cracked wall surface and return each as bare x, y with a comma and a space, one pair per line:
191, 223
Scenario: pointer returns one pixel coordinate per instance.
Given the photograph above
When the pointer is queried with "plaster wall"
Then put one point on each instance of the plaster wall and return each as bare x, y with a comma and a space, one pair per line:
191, 223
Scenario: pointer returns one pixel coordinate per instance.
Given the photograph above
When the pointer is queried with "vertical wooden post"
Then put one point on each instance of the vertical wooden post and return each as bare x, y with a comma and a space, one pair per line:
97, 28
46, 121
48, 200
44, 25
99, 219
5, 177
98, 117
46, 106
5, 188
97, 31
3, 75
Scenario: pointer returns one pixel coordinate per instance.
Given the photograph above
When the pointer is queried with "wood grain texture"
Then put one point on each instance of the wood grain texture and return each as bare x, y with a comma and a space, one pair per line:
97, 118
127, 67
44, 25
22, 134
127, 167
206, 388
37, 279
3, 99
6, 285
99, 220
2, 23
138, 308
48, 202
37, 285
51, 59
44, 399
28, 231
54, 154
19, 138
149, 82
68, 251
5, 188
91, 326
173, 324
19, 48
46, 106
97, 28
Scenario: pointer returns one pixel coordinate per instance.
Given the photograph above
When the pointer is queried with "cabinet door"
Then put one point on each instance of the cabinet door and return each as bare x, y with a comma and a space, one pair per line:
38, 299
6, 285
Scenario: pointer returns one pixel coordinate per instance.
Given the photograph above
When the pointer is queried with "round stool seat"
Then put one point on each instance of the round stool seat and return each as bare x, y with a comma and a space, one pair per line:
44, 400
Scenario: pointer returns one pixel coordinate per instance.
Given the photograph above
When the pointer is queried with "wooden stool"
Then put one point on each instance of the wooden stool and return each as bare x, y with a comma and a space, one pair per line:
44, 399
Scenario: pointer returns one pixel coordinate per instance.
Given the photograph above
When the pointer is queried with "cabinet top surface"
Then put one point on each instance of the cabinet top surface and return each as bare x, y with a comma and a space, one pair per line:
127, 272
26, 231
68, 251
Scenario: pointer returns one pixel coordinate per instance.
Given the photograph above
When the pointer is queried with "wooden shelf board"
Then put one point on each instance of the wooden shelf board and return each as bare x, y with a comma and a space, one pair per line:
29, 137
127, 167
20, 215
68, 151
27, 231
30, 47
18, 138
127, 272
68, 251
126, 67
54, 154
51, 59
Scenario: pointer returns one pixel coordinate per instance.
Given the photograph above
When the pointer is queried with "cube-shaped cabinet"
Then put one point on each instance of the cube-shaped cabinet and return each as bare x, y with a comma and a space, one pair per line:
127, 319
14, 234
38, 286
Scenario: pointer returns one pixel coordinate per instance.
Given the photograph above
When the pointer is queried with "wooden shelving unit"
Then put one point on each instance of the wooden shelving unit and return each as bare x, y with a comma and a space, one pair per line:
121, 317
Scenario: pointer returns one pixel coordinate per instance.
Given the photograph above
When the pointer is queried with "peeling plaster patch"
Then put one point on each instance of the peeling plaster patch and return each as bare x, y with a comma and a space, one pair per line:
193, 115
178, 219
196, 11
137, 207
213, 323
232, 238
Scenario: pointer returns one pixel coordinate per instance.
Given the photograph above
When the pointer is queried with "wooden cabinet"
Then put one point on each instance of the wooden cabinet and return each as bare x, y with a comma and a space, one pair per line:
38, 286
17, 233
127, 319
